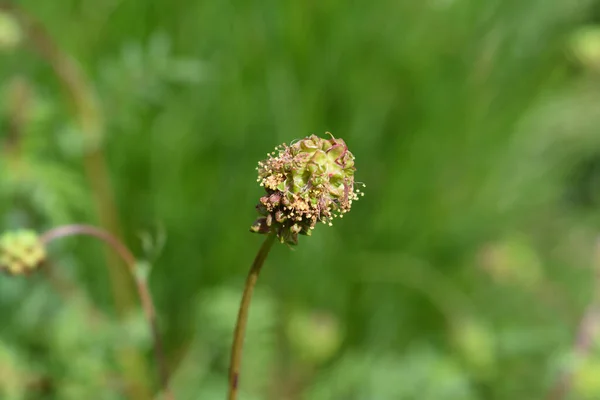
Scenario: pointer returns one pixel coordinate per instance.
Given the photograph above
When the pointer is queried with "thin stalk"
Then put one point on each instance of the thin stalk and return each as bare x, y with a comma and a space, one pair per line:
142, 288
88, 116
90, 120
19, 107
242, 319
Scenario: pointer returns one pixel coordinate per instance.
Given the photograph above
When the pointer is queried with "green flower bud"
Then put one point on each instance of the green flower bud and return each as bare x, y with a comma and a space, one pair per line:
307, 182
21, 252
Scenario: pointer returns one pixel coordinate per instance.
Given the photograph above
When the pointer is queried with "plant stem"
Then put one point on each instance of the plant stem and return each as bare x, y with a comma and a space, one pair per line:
90, 120
19, 107
141, 286
242, 319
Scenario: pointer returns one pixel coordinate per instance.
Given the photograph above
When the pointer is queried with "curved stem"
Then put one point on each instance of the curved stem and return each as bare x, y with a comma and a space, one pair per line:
90, 120
242, 319
140, 283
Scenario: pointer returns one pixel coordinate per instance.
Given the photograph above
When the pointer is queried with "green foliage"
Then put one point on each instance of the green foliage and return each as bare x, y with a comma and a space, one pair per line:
462, 275
418, 373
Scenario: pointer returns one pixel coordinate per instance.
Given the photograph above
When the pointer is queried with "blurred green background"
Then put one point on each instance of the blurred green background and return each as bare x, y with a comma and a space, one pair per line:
462, 274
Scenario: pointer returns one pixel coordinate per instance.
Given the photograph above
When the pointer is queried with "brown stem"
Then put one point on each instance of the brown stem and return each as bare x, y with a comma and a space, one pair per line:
141, 286
88, 115
242, 319
19, 107
584, 338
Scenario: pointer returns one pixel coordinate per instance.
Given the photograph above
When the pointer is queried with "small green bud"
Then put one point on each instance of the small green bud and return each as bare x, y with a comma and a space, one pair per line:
307, 182
21, 252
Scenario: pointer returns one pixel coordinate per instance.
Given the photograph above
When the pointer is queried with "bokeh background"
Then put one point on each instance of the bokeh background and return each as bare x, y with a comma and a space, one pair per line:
464, 273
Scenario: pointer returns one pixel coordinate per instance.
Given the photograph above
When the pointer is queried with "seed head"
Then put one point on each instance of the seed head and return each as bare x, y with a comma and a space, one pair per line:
21, 252
307, 182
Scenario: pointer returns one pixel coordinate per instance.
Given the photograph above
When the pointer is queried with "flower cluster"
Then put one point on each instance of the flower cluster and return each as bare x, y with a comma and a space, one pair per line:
307, 182
21, 252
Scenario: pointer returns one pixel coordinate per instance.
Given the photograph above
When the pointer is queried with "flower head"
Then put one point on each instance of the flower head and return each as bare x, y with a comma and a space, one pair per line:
307, 182
21, 252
